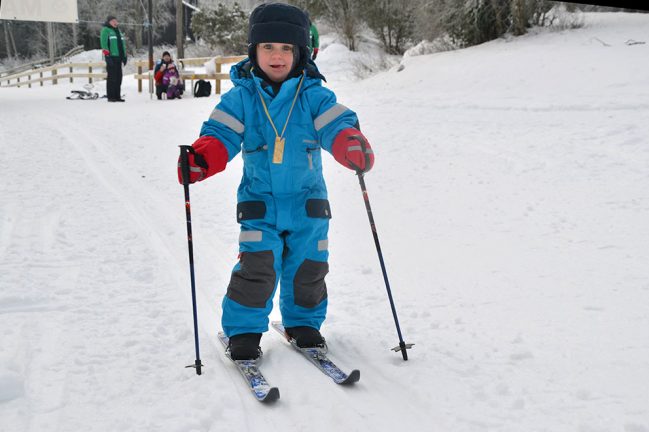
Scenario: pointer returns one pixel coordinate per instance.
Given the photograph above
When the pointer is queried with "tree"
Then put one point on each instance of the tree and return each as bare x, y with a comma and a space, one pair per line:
315, 8
345, 17
392, 21
225, 27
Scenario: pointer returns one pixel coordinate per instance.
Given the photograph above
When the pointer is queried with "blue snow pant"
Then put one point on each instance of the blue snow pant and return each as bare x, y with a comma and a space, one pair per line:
283, 240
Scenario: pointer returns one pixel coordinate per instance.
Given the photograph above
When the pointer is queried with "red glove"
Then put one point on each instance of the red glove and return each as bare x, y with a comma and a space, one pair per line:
106, 53
315, 53
352, 150
209, 157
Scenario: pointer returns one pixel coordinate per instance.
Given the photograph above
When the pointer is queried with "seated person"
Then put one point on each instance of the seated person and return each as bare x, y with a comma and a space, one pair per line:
167, 78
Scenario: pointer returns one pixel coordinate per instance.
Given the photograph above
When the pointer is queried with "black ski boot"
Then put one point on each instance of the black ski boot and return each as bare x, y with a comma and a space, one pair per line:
245, 346
306, 337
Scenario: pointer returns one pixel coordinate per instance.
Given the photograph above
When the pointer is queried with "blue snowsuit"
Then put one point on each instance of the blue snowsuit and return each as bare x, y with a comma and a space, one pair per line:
282, 204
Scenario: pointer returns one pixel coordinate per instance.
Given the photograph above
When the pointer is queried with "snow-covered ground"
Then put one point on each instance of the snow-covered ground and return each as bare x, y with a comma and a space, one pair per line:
511, 196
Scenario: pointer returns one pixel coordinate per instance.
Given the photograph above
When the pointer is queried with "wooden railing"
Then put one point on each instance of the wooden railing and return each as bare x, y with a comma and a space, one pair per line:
41, 63
41, 76
188, 74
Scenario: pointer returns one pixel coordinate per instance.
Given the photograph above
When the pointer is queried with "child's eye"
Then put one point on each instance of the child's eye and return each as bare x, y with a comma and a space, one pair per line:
287, 48
267, 47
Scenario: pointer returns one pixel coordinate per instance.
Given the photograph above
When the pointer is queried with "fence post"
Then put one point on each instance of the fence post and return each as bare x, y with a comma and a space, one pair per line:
41, 77
18, 82
71, 73
89, 72
29, 78
139, 79
54, 73
217, 81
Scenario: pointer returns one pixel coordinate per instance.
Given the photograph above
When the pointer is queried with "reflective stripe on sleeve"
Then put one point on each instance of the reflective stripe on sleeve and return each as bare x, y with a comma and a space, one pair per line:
328, 116
228, 120
323, 245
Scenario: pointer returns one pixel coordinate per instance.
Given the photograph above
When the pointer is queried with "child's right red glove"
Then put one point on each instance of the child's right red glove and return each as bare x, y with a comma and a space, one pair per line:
209, 158
106, 53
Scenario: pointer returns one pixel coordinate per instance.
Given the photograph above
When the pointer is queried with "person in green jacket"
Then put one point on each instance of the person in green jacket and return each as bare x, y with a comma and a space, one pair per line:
114, 50
314, 39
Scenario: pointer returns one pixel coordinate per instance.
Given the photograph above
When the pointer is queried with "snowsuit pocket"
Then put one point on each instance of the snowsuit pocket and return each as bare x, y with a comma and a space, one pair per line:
309, 288
318, 208
247, 210
253, 283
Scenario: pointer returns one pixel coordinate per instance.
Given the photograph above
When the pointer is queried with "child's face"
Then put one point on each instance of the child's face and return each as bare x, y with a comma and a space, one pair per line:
275, 59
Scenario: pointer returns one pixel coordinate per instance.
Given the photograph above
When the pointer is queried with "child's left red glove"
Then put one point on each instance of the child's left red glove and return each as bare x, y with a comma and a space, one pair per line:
352, 150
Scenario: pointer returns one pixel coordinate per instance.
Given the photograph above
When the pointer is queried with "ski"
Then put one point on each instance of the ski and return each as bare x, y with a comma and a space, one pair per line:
250, 371
318, 356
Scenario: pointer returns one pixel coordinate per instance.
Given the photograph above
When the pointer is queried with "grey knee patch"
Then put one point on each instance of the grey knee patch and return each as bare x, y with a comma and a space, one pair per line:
254, 282
309, 287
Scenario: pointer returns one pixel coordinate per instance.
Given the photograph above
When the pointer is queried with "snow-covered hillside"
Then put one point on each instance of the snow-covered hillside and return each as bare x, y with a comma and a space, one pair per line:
511, 196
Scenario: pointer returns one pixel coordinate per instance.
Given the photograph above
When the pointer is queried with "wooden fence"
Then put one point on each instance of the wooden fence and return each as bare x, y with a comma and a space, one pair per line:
40, 75
70, 71
41, 63
188, 74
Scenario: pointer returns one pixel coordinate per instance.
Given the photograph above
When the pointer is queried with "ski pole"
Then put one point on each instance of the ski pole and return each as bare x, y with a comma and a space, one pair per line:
184, 169
360, 173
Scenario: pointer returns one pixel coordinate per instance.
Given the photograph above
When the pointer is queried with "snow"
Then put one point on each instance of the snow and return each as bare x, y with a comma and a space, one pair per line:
92, 56
511, 199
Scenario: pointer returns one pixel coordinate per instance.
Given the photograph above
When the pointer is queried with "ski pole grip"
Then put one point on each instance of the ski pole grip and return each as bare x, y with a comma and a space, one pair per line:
184, 162
363, 144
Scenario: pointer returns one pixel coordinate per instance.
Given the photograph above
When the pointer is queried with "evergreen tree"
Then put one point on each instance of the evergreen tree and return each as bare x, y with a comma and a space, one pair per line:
224, 26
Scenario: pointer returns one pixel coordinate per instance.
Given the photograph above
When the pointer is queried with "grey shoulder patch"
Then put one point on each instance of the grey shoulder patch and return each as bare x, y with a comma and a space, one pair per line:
228, 120
328, 116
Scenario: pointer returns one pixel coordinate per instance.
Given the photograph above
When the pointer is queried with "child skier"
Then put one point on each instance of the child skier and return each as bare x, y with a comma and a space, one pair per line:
279, 116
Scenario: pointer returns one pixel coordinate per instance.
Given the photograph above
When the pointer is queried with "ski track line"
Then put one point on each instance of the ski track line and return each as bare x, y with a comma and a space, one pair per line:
152, 236
205, 302
8, 225
160, 207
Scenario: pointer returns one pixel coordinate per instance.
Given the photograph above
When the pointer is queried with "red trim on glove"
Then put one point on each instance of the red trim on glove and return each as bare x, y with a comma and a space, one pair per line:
348, 150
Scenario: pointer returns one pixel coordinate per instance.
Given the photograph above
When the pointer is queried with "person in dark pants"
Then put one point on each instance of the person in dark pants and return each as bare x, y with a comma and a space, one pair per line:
114, 50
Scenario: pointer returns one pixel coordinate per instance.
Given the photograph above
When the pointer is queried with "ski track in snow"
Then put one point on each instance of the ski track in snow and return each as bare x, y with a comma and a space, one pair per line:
510, 197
